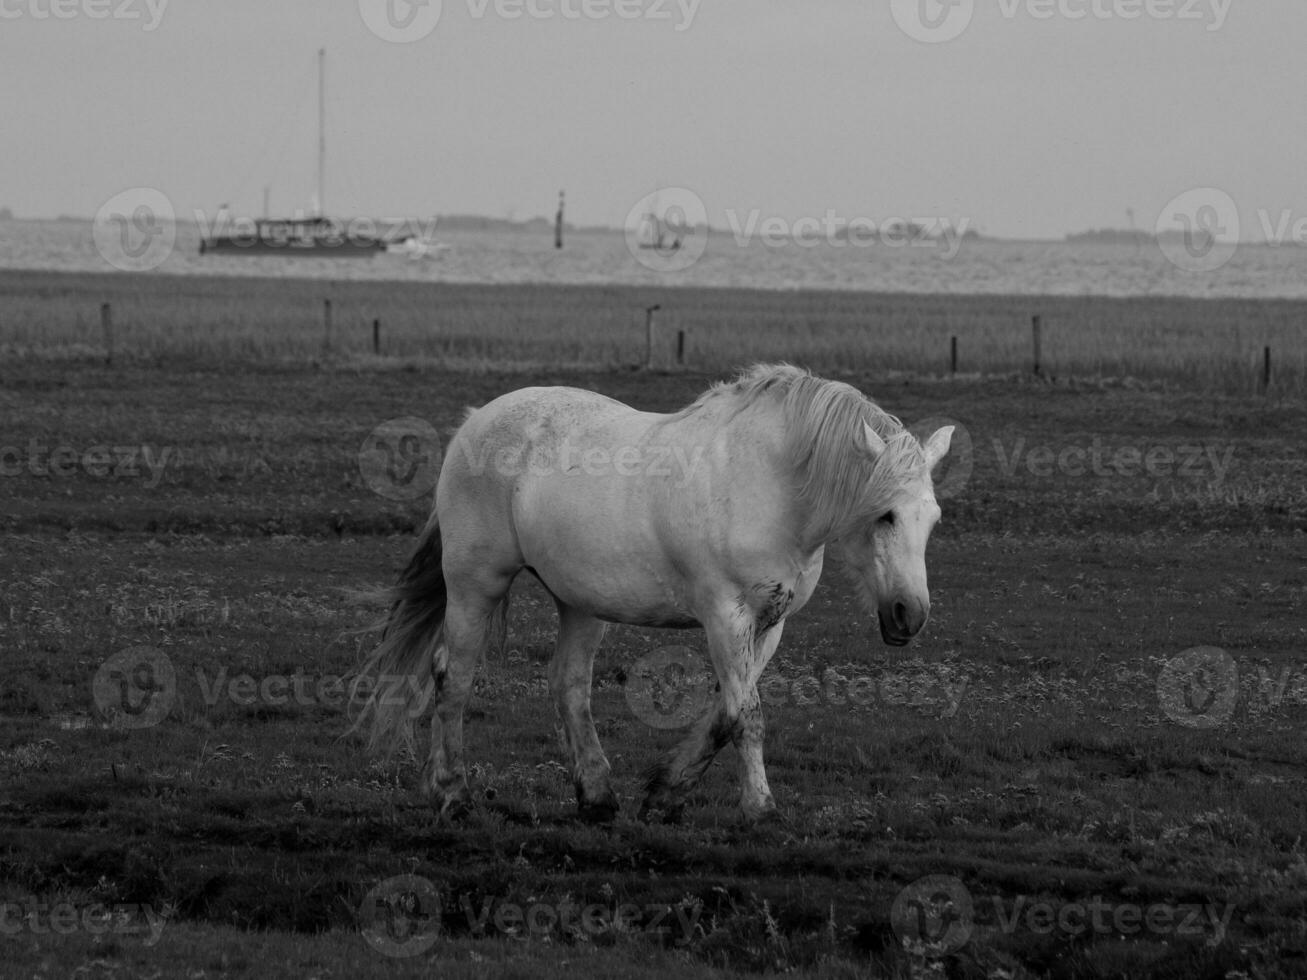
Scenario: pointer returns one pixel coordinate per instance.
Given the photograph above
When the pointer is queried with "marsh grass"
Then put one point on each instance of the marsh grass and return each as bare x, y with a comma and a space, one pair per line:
1207, 344
259, 830
1050, 781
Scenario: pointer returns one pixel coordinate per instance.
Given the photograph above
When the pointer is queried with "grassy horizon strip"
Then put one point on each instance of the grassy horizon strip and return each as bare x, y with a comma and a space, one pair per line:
1210, 345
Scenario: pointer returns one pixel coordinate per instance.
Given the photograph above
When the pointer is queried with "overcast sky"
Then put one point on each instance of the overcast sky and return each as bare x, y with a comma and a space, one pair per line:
1032, 121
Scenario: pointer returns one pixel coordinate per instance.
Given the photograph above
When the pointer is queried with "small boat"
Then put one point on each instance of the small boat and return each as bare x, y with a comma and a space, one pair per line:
662, 232
313, 235
414, 247
654, 234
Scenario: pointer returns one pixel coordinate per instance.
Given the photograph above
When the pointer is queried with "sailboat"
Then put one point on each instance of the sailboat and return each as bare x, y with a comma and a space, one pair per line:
418, 247
315, 235
654, 230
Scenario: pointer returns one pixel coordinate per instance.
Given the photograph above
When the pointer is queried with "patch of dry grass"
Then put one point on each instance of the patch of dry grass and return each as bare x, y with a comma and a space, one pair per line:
1208, 344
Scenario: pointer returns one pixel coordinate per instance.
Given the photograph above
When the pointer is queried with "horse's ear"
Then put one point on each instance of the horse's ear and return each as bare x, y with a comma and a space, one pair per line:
936, 447
875, 444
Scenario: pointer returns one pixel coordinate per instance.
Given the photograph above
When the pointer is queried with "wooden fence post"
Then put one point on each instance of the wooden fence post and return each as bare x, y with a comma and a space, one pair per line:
953, 355
1036, 329
106, 325
376, 336
649, 335
1266, 369
326, 326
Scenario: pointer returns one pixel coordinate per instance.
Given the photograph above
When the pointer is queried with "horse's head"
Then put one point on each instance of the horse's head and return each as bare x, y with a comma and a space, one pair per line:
887, 552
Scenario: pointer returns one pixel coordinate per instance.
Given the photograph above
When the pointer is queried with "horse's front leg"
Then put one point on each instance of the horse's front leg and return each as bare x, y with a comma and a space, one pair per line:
756, 800
739, 656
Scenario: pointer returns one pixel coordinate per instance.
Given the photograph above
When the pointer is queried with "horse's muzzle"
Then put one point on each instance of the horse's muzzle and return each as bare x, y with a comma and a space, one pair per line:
901, 620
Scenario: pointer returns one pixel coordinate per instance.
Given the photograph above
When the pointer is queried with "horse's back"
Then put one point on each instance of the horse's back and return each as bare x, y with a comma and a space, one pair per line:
539, 421
558, 402
551, 441
566, 476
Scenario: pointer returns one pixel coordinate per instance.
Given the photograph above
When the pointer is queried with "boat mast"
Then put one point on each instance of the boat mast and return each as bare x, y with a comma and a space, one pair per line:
322, 126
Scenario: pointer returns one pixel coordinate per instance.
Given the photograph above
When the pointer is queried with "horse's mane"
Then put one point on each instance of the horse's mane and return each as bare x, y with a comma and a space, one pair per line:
838, 484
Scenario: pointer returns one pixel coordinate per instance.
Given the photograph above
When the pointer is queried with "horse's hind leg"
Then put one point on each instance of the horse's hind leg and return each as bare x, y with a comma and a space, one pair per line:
473, 620
570, 674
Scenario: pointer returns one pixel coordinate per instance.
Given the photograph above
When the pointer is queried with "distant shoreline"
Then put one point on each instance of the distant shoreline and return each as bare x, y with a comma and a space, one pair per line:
749, 258
544, 226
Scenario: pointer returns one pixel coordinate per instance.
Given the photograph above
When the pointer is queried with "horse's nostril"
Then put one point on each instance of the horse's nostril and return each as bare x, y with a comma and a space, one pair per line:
901, 617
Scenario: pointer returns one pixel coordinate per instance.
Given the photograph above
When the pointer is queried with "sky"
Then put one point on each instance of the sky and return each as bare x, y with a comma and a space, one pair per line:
1038, 118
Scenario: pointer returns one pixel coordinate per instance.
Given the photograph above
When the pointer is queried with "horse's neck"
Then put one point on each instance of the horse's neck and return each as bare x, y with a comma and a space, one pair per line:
760, 432
761, 424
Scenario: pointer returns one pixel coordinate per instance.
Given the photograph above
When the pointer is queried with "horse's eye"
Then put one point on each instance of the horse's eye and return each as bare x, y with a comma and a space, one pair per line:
888, 519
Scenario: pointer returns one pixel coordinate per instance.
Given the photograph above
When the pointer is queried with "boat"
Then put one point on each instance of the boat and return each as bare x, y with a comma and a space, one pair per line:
653, 234
660, 232
315, 234
414, 247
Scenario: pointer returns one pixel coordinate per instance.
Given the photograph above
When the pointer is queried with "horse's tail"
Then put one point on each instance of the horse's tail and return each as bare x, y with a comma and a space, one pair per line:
399, 677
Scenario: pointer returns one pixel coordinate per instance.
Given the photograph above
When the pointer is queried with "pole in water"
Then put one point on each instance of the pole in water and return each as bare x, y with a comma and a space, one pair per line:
558, 223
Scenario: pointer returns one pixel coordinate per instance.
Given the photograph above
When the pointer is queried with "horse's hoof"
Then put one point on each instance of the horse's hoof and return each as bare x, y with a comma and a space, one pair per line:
766, 815
455, 809
600, 807
669, 814
600, 811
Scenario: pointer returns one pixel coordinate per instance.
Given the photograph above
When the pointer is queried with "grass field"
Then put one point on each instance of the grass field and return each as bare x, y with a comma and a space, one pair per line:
1094, 531
1215, 345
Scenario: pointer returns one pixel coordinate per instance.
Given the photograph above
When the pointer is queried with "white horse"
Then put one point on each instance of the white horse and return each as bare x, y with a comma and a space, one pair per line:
717, 516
